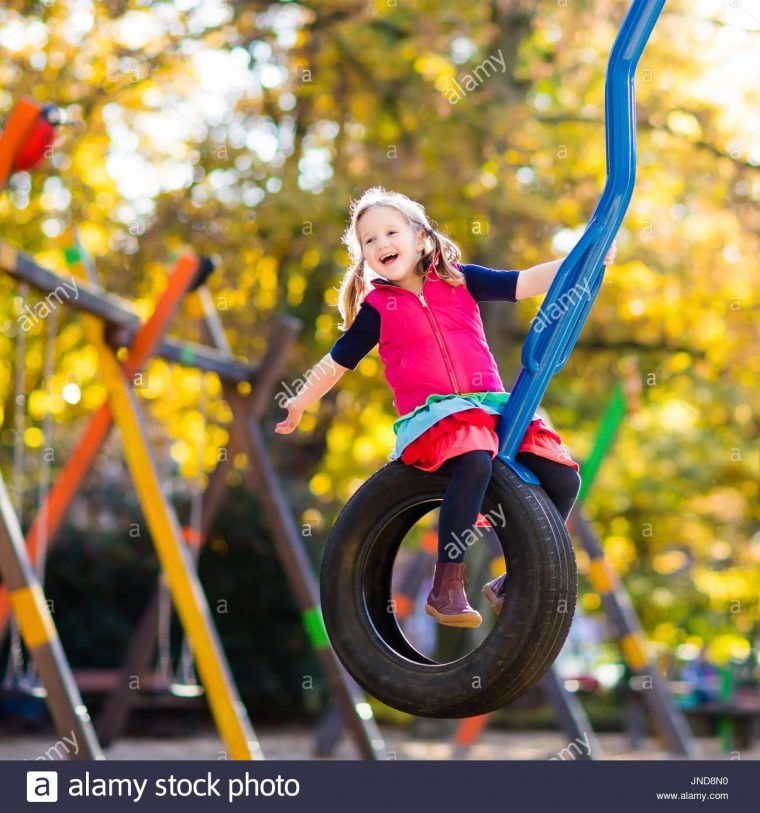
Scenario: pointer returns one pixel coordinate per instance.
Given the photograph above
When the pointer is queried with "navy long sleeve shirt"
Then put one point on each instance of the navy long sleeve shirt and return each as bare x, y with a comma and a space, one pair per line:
484, 285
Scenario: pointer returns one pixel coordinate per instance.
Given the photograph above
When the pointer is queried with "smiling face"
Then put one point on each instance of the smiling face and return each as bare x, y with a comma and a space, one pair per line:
385, 234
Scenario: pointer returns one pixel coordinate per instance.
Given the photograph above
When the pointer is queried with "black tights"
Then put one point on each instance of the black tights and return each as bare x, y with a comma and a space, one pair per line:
470, 475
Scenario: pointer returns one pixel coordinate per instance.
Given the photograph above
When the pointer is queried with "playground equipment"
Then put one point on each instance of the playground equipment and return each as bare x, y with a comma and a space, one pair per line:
665, 712
112, 326
538, 609
20, 676
355, 713
26, 137
69, 713
122, 407
177, 560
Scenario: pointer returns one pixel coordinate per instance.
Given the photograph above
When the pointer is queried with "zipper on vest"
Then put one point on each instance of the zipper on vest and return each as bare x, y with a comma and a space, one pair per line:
441, 344
434, 324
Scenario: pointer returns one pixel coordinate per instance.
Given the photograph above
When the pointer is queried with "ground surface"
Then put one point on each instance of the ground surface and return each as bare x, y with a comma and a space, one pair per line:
297, 743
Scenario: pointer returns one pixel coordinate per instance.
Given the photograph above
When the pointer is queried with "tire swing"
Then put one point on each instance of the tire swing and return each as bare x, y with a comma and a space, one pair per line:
363, 628
538, 609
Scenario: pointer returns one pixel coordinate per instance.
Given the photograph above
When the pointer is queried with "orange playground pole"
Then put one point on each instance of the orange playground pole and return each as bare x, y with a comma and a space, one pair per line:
468, 731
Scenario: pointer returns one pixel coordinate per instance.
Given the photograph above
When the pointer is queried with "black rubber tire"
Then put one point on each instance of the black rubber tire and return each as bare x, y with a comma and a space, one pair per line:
356, 595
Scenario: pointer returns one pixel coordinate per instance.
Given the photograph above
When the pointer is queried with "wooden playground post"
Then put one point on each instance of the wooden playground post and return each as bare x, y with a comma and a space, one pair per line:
605, 581
116, 709
70, 715
176, 562
624, 620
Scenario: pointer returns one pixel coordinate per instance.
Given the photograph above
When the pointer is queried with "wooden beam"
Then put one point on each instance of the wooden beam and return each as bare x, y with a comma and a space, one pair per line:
123, 323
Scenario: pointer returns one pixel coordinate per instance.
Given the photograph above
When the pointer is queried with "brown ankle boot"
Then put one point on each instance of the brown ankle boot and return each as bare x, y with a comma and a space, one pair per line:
495, 591
447, 601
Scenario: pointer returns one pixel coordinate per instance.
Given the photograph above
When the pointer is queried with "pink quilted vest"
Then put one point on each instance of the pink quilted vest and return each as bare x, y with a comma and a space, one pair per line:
432, 344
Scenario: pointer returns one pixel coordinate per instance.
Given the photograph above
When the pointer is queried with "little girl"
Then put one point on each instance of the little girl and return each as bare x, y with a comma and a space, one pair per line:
406, 289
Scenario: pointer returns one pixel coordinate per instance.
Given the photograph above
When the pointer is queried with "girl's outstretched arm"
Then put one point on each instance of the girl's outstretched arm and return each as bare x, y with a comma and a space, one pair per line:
319, 380
537, 280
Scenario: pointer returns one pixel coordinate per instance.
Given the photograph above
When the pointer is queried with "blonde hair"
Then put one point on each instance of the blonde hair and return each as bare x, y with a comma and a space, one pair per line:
355, 284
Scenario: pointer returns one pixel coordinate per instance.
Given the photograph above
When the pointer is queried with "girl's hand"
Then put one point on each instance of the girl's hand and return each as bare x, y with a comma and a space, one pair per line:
294, 416
610, 258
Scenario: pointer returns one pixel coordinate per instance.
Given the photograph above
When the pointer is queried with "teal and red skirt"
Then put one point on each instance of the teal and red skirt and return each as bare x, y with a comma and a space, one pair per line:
449, 425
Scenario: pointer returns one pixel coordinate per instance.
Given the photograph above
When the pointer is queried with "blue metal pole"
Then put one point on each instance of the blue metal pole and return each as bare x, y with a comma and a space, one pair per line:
552, 338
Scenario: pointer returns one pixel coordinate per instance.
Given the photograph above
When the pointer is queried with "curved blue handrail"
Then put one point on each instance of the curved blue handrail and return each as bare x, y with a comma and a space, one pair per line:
551, 339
